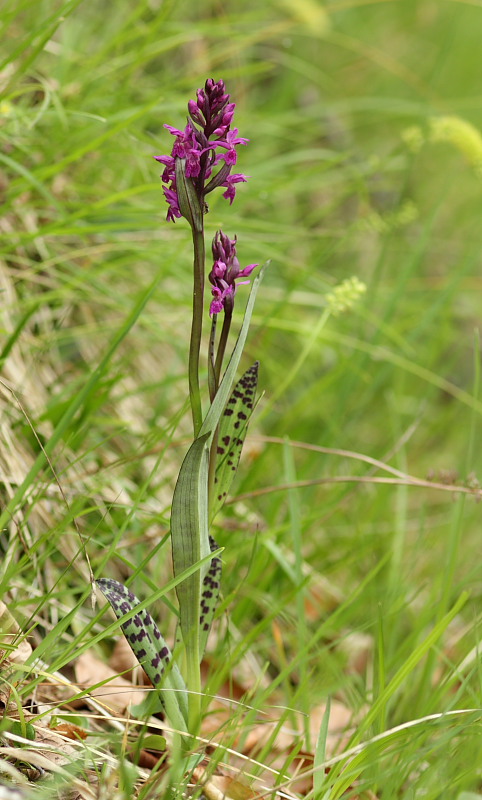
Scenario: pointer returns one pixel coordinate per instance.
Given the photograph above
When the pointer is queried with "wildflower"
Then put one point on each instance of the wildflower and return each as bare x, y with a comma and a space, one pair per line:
206, 146
453, 130
230, 192
171, 197
413, 138
345, 295
230, 141
226, 270
462, 134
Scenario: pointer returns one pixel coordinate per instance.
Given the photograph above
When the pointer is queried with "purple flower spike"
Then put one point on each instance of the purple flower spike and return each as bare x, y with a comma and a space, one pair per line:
206, 144
226, 270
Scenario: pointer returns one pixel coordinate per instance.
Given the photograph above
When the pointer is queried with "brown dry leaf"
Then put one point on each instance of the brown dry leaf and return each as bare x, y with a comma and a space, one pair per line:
49, 750
11, 635
322, 596
117, 693
220, 726
147, 760
61, 752
340, 719
260, 734
358, 647
71, 731
223, 787
51, 760
53, 692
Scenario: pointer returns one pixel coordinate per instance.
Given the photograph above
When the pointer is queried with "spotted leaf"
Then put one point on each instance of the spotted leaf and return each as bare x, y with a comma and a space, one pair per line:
209, 596
150, 649
232, 431
209, 600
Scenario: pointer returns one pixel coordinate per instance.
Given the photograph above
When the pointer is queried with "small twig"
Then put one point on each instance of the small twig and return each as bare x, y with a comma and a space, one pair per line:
408, 481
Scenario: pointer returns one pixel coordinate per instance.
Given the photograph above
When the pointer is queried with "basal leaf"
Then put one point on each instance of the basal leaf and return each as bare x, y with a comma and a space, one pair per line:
150, 649
232, 432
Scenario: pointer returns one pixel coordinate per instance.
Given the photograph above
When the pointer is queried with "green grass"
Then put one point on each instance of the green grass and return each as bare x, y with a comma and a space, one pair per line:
94, 323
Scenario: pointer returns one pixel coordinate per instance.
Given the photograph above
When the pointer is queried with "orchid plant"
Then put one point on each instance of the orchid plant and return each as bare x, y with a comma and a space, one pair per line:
202, 160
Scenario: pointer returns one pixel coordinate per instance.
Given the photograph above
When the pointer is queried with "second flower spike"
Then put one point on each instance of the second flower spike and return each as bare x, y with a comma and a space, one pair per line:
226, 270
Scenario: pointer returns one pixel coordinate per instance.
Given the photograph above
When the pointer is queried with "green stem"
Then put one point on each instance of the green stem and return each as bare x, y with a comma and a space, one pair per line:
211, 379
196, 328
228, 315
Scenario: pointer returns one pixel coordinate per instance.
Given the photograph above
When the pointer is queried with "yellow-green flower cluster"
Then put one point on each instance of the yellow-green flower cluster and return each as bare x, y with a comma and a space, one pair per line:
414, 138
462, 134
373, 221
453, 130
345, 295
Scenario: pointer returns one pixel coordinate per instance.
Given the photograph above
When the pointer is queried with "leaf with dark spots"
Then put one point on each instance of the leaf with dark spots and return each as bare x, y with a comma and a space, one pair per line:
209, 597
232, 432
150, 649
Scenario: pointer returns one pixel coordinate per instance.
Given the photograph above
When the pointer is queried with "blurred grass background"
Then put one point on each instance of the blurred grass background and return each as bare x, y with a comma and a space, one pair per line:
365, 159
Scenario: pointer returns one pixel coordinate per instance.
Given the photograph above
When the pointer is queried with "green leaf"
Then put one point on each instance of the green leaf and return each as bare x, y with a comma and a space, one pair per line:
24, 729
189, 535
209, 600
154, 741
233, 427
150, 649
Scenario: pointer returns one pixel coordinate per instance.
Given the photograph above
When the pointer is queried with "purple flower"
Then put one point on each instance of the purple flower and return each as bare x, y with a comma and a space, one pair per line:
230, 192
171, 196
207, 145
231, 139
225, 272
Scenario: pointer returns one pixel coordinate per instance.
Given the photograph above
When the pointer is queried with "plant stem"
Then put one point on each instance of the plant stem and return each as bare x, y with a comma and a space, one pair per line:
211, 379
193, 682
228, 315
196, 328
